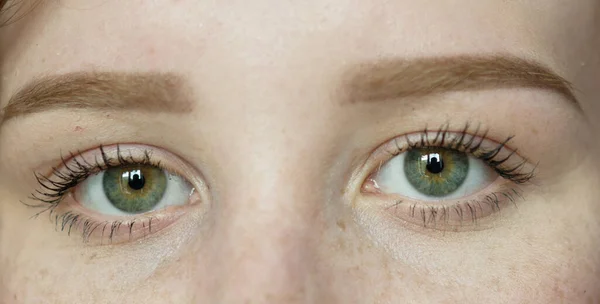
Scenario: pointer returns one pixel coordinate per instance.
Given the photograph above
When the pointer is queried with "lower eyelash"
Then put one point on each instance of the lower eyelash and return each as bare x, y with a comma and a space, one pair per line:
70, 221
113, 231
460, 214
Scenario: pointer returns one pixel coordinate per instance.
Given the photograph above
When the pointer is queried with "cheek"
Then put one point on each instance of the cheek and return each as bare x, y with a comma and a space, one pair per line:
571, 288
552, 279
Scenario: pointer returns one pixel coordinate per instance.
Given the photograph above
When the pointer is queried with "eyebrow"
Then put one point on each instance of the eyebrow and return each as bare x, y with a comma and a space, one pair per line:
149, 92
382, 80
391, 79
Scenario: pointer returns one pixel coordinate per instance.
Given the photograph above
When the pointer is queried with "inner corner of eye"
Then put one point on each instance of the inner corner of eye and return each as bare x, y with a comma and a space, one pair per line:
370, 185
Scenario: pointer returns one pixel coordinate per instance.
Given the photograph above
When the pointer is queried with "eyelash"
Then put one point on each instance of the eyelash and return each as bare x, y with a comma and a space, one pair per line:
470, 143
473, 147
57, 186
430, 216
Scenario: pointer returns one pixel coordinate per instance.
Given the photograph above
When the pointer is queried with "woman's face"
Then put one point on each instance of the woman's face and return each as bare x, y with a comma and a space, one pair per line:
300, 152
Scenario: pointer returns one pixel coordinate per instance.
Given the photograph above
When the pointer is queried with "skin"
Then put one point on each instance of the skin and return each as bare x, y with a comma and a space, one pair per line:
284, 219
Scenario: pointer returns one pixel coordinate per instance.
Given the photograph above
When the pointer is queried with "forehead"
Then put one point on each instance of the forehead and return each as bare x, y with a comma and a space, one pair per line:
195, 37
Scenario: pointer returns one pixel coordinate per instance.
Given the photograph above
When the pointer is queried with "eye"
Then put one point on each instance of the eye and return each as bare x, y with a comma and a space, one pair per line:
434, 174
133, 189
118, 193
444, 179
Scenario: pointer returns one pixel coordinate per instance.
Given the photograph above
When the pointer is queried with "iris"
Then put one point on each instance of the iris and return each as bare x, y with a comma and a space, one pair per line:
436, 171
134, 189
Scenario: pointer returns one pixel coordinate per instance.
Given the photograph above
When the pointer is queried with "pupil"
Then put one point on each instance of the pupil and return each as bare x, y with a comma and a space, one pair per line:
136, 180
435, 165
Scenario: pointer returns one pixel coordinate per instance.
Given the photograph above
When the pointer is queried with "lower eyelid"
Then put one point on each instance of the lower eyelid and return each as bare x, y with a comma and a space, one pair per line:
474, 212
98, 229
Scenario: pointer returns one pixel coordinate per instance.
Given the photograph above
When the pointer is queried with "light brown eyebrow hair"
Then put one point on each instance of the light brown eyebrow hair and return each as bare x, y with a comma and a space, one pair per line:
392, 79
383, 80
151, 92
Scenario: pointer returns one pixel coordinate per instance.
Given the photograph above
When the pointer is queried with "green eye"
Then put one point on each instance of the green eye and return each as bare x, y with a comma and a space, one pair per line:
436, 172
134, 189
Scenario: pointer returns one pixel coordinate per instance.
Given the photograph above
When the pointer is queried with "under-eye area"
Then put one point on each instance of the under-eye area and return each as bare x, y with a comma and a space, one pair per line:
447, 180
117, 193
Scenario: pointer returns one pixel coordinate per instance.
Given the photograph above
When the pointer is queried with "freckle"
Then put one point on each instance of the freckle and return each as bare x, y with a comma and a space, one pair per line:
43, 273
78, 129
342, 225
590, 300
341, 244
91, 257
151, 51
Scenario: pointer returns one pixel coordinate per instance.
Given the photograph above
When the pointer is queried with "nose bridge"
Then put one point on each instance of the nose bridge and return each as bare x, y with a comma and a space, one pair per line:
268, 230
268, 199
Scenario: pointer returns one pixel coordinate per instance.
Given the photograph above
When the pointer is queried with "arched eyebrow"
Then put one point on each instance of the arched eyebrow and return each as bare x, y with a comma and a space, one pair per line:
403, 78
150, 92
383, 80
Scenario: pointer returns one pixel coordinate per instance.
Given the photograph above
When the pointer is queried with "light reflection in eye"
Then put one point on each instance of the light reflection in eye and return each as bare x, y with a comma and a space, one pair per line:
433, 174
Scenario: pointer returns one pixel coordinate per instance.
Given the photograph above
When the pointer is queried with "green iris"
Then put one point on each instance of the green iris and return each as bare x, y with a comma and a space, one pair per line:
134, 189
436, 171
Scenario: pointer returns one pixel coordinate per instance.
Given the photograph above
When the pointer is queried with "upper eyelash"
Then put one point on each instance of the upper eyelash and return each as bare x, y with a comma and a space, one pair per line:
59, 183
473, 146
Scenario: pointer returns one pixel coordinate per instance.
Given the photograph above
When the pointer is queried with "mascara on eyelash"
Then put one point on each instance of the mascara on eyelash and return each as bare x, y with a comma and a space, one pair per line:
59, 183
467, 212
471, 143
54, 190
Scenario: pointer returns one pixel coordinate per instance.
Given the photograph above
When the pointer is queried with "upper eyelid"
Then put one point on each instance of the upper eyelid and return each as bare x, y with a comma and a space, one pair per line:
105, 156
444, 137
83, 164
474, 136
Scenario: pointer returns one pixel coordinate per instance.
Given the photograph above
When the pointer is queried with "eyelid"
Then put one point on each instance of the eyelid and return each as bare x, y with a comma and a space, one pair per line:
99, 229
476, 144
121, 152
67, 214
476, 209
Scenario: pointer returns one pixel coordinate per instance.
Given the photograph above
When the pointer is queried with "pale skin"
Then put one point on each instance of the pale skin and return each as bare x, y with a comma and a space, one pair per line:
282, 159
